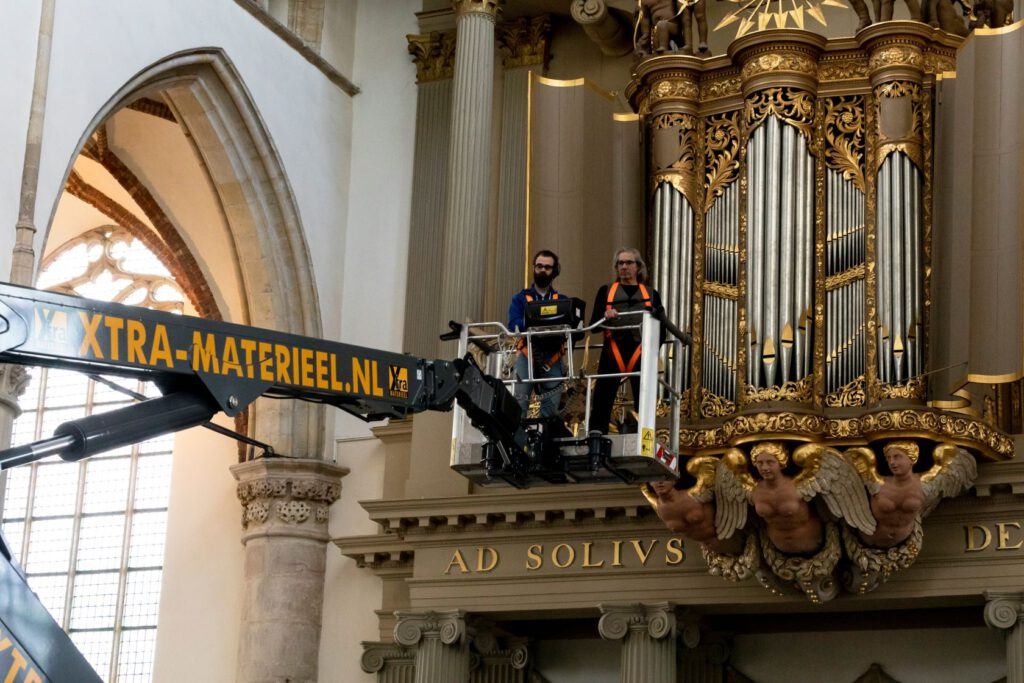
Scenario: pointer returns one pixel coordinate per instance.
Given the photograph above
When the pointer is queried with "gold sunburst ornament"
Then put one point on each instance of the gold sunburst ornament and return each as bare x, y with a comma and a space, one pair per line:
757, 15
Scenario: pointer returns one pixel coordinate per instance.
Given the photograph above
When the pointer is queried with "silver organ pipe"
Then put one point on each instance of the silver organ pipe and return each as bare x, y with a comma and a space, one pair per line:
780, 263
673, 264
721, 250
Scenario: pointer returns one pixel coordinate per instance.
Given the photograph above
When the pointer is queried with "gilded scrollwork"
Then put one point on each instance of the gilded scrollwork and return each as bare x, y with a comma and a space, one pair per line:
712, 405
911, 144
844, 68
723, 86
896, 55
721, 154
676, 153
913, 388
789, 391
674, 88
850, 394
722, 291
775, 61
814, 575
792, 105
844, 137
845, 278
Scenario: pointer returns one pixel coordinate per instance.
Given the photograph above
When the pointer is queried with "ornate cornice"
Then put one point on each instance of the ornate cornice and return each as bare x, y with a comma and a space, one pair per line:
448, 626
657, 619
525, 41
433, 54
287, 496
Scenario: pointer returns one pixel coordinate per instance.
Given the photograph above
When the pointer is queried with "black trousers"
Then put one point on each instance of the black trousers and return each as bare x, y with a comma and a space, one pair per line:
603, 399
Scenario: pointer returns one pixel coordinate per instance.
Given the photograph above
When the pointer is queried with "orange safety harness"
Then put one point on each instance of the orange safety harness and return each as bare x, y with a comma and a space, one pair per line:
609, 335
522, 340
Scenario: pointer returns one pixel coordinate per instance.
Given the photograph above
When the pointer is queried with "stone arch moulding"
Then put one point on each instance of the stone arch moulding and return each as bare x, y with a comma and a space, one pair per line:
231, 140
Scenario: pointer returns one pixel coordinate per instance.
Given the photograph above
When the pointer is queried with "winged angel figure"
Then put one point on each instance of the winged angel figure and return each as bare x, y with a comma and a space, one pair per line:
899, 503
799, 540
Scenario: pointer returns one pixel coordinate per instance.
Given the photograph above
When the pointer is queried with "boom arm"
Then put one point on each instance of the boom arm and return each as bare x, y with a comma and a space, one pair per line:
204, 366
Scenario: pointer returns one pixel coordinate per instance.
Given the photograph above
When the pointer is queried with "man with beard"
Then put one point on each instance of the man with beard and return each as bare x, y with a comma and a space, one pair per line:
548, 353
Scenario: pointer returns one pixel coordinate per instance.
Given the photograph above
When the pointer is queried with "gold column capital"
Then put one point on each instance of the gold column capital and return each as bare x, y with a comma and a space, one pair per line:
778, 58
488, 8
434, 55
525, 41
896, 50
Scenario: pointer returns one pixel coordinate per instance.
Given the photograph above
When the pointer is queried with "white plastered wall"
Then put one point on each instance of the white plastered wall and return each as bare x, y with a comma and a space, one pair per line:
372, 310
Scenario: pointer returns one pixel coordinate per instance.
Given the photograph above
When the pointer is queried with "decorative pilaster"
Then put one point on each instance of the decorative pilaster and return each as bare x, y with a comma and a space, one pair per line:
434, 56
1004, 611
464, 258
648, 635
440, 643
285, 503
524, 48
497, 659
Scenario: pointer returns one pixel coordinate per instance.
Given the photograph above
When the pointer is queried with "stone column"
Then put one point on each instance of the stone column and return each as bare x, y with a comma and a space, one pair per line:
524, 48
1004, 611
285, 505
469, 161
497, 659
440, 642
434, 55
648, 635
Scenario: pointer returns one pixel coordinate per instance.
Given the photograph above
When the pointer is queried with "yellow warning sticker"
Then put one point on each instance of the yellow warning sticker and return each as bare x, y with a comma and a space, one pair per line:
647, 442
548, 310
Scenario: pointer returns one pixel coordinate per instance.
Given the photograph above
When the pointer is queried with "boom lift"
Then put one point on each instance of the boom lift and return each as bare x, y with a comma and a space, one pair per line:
203, 367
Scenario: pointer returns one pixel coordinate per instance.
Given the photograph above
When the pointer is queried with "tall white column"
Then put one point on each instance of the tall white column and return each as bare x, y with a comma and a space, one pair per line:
469, 161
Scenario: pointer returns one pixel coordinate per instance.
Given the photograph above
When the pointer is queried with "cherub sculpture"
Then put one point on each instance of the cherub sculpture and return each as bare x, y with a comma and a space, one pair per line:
691, 511
783, 502
900, 501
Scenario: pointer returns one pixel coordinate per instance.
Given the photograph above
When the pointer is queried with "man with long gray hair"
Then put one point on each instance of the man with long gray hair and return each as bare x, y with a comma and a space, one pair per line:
621, 353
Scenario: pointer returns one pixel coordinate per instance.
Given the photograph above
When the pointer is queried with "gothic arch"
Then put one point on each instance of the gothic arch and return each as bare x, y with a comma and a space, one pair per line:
210, 100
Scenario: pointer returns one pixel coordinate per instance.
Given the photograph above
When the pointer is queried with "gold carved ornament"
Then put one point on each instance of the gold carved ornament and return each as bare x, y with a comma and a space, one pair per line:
774, 61
674, 89
820, 240
434, 56
846, 67
789, 391
524, 41
721, 154
844, 137
713, 405
914, 388
846, 277
794, 106
895, 56
911, 145
870, 202
682, 172
850, 394
723, 86
757, 15
927, 217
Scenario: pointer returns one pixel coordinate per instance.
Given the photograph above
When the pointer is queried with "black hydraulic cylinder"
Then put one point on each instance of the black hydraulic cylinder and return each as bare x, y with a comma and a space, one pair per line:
135, 423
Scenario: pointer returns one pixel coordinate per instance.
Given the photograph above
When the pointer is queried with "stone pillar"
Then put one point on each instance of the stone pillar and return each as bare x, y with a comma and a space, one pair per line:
440, 642
524, 48
648, 635
285, 505
497, 659
464, 261
434, 55
1004, 611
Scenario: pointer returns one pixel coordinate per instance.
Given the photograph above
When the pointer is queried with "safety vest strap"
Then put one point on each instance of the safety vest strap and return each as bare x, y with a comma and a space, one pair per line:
610, 337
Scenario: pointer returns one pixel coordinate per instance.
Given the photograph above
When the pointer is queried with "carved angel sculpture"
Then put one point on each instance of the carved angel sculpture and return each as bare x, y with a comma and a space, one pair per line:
792, 524
903, 499
691, 511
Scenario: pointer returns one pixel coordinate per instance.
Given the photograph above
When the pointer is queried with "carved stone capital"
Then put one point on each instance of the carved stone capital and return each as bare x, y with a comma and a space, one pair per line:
378, 655
1003, 610
13, 380
287, 496
488, 8
433, 54
448, 626
657, 619
524, 42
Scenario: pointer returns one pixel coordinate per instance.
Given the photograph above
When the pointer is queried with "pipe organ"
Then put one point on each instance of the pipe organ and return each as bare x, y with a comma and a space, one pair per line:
789, 229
